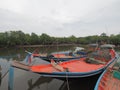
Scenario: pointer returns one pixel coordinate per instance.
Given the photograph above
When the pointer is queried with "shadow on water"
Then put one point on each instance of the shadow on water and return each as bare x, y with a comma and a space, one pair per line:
73, 84
38, 82
86, 83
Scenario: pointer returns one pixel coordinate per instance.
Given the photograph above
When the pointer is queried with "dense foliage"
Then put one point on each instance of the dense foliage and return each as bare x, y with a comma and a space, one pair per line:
13, 38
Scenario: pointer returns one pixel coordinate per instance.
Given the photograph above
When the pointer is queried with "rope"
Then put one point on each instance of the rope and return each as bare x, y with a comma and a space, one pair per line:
68, 87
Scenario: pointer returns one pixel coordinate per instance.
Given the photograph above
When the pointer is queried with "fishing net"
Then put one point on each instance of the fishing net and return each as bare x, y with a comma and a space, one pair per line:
93, 61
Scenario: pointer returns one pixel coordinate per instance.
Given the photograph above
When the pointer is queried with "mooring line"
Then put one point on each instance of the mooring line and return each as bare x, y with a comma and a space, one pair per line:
68, 87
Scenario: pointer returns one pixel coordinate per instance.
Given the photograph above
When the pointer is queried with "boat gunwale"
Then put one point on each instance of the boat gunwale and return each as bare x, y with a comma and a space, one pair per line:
101, 76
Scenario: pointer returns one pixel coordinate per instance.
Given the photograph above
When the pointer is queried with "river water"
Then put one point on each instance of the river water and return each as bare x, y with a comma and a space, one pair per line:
24, 80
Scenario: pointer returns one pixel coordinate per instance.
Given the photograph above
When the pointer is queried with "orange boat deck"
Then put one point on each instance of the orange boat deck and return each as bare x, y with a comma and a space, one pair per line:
73, 66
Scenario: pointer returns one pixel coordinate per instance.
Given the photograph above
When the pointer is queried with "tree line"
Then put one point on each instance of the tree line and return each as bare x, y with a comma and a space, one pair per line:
14, 38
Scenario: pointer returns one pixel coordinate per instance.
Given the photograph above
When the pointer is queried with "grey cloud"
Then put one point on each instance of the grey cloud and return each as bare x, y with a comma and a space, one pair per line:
91, 24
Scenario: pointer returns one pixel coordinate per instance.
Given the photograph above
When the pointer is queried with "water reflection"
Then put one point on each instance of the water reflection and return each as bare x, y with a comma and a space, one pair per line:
38, 82
0, 75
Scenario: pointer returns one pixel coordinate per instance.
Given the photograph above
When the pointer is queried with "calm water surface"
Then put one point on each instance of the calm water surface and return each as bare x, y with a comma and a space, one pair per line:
24, 80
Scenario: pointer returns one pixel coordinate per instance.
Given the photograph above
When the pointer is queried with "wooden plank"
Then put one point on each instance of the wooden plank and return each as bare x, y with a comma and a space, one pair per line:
20, 65
57, 66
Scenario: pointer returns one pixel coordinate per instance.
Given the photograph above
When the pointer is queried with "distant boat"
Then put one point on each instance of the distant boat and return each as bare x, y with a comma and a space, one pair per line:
110, 78
76, 49
108, 46
83, 67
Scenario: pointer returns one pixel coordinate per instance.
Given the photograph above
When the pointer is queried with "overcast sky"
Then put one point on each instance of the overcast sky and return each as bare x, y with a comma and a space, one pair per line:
61, 17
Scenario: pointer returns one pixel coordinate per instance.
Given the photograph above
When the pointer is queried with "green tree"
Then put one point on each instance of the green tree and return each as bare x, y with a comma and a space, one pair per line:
34, 39
45, 39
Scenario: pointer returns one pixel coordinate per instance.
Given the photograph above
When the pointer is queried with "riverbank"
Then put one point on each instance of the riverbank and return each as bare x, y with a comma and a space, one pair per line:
49, 45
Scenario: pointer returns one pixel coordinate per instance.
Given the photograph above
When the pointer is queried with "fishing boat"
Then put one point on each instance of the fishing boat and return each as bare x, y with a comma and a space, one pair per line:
110, 78
83, 67
65, 57
61, 56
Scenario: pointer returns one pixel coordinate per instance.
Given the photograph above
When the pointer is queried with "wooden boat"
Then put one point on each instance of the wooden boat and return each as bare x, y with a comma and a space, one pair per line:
60, 56
65, 57
82, 67
110, 78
